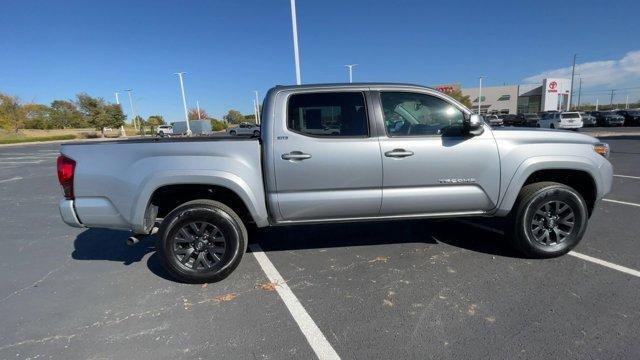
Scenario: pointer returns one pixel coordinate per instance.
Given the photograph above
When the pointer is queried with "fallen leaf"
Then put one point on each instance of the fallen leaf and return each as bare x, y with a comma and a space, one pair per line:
204, 285
268, 286
380, 258
225, 297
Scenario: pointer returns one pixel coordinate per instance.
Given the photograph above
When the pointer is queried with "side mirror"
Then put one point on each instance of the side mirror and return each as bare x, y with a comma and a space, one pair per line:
475, 124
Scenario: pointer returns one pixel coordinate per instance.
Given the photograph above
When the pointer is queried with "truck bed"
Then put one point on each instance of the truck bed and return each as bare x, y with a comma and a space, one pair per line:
115, 180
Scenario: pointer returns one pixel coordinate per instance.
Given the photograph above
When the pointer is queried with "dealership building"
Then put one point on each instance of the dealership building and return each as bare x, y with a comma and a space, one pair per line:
552, 94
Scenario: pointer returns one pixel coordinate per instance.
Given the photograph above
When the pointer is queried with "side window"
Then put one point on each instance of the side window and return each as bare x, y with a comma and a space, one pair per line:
338, 114
413, 114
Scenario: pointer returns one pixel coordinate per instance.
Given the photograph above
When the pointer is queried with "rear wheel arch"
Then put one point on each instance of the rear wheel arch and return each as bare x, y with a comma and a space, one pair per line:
168, 197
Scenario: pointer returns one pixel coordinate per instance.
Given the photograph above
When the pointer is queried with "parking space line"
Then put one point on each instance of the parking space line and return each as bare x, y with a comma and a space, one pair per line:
310, 330
610, 265
12, 179
621, 202
592, 259
628, 176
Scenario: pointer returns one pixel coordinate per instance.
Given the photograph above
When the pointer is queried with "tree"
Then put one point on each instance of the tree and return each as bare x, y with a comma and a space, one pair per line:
64, 114
234, 117
98, 113
154, 121
11, 115
193, 114
464, 99
36, 116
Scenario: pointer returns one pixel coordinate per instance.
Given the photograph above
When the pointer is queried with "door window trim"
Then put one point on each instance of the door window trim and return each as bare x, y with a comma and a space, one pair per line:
363, 93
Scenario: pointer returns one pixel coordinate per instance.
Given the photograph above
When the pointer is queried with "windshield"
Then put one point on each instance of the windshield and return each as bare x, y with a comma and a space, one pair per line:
570, 115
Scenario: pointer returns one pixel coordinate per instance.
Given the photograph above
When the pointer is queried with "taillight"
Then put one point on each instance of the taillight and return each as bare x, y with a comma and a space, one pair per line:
66, 168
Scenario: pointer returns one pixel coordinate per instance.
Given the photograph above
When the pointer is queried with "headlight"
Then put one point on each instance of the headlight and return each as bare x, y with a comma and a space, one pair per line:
602, 149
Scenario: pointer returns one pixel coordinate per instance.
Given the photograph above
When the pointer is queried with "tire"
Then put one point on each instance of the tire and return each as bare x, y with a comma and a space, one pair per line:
256, 133
213, 249
551, 126
527, 227
232, 133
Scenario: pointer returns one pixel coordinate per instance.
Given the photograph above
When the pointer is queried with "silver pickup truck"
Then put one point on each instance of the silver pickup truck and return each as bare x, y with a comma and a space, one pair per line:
395, 152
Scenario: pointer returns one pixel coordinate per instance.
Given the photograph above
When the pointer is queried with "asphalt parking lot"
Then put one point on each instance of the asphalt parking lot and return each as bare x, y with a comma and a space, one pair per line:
412, 289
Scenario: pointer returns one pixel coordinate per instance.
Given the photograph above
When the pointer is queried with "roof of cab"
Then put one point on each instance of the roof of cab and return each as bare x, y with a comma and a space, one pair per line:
351, 85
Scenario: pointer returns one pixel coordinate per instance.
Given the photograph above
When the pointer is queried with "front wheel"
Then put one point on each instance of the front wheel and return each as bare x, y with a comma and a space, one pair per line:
202, 241
232, 133
547, 220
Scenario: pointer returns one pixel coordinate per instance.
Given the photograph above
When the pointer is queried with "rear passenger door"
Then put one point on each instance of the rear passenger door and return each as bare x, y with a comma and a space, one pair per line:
327, 163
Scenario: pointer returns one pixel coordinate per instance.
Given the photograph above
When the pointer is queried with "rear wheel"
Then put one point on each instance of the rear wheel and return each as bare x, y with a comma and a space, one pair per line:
547, 220
256, 133
551, 126
232, 132
202, 241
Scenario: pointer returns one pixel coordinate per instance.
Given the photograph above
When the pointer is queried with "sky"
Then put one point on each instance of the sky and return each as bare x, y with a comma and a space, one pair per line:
55, 49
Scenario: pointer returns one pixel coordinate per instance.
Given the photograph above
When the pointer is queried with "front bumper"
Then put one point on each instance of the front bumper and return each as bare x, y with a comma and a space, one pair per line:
68, 213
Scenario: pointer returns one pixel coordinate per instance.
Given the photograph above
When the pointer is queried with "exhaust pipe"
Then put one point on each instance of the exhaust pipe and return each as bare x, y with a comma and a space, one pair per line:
132, 240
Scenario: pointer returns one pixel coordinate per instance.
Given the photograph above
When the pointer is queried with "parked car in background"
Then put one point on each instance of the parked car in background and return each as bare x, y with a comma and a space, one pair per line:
608, 118
493, 120
532, 120
164, 130
561, 120
245, 129
512, 119
631, 117
588, 119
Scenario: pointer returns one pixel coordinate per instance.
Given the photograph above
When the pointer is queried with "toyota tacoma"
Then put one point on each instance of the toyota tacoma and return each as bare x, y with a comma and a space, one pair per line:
395, 152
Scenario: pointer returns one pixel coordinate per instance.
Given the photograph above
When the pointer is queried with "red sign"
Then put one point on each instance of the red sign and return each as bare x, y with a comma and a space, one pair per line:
553, 86
445, 88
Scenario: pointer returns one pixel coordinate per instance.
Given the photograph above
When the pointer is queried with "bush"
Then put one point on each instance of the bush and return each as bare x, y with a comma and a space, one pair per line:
217, 125
89, 135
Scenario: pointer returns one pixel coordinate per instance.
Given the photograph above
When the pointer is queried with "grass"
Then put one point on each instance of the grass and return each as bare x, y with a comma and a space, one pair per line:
16, 139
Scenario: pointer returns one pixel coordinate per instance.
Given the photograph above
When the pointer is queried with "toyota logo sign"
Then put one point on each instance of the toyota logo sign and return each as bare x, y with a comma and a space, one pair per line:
553, 85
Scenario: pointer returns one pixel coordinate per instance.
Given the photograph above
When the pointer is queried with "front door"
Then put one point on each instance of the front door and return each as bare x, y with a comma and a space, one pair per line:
327, 164
430, 166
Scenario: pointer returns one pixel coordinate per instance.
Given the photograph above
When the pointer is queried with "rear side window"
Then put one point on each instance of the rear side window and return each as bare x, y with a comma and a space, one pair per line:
570, 115
336, 114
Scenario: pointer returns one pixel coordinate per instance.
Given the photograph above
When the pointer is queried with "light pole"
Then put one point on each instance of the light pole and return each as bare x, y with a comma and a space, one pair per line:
133, 112
184, 102
351, 66
611, 100
480, 95
573, 71
257, 107
579, 92
626, 106
296, 52
118, 103
198, 107
597, 102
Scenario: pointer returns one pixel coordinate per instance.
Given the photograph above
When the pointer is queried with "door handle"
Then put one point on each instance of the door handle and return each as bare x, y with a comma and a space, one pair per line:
398, 153
296, 156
